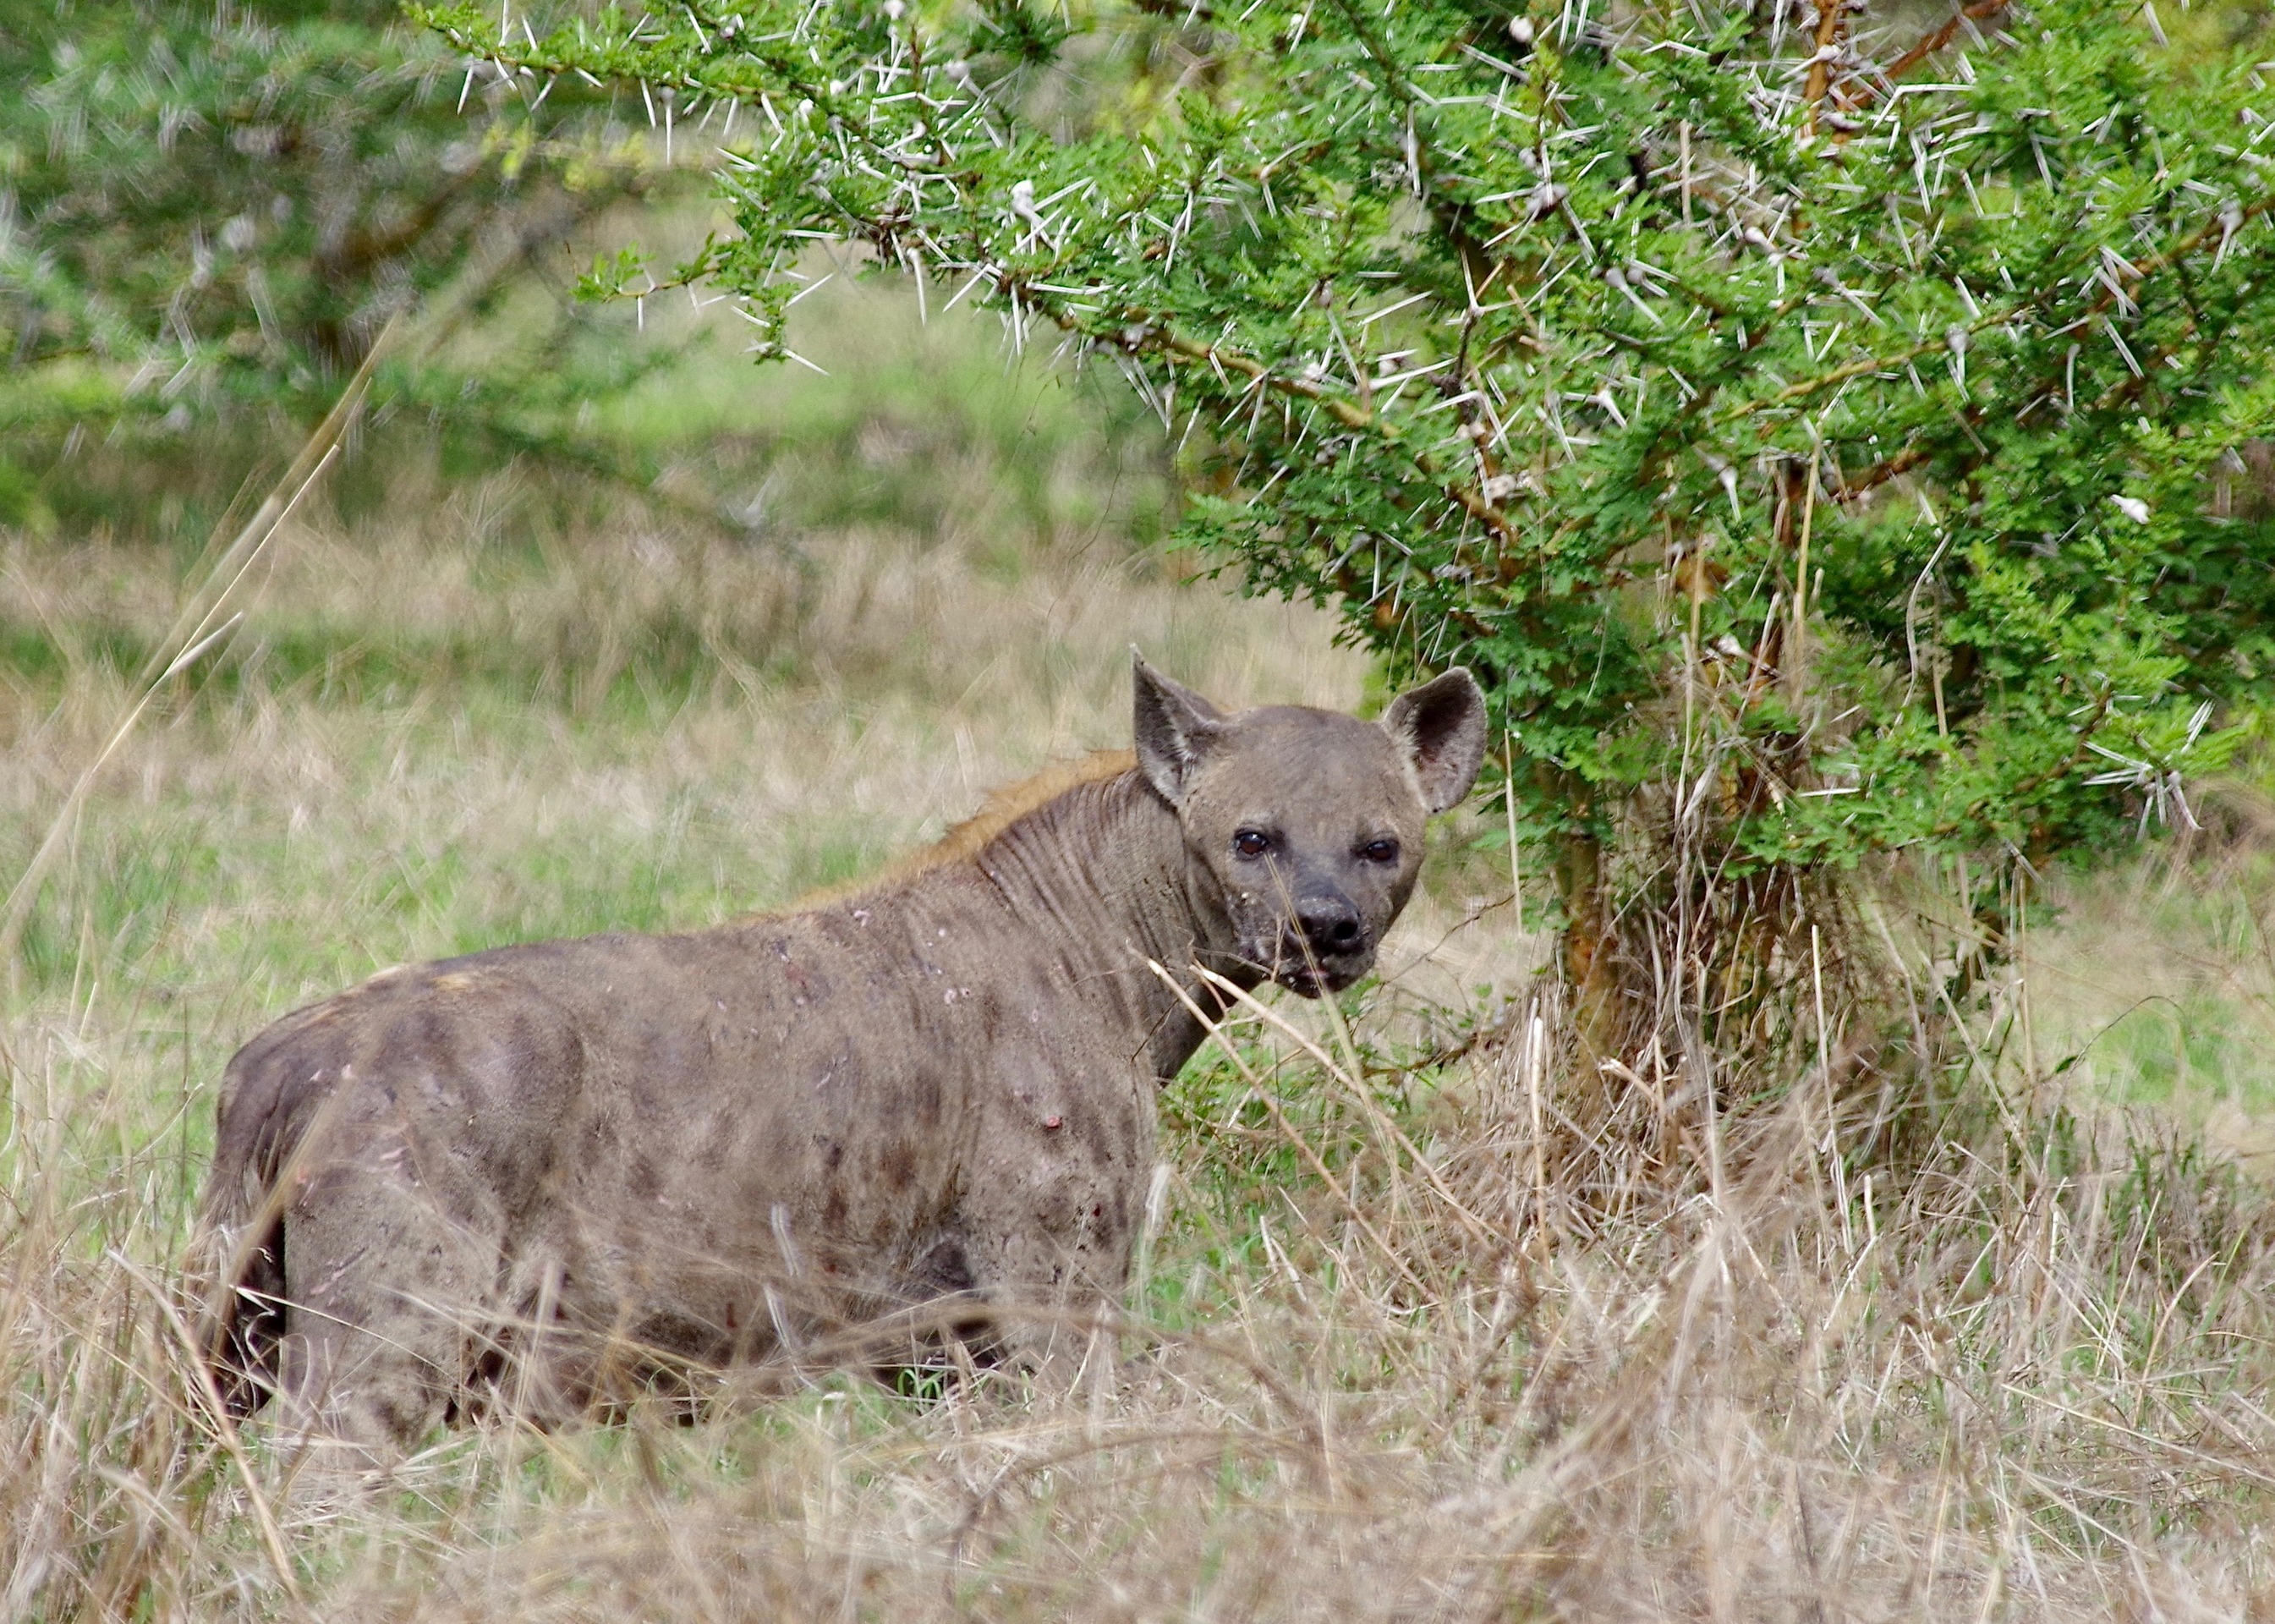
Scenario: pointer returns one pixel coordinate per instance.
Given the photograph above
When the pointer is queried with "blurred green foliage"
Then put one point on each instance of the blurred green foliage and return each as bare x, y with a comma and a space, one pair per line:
208, 214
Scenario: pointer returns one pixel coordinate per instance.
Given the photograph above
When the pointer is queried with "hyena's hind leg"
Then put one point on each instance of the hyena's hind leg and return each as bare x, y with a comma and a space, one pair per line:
237, 1274
390, 1305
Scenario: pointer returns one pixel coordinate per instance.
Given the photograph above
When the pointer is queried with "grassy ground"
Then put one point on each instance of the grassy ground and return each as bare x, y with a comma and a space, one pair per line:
1415, 1338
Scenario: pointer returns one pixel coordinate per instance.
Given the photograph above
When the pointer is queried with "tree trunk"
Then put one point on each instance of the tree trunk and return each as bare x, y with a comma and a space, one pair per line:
1585, 951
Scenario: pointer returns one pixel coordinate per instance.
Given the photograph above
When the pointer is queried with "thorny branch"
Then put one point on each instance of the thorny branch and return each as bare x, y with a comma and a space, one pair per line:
1829, 13
1975, 11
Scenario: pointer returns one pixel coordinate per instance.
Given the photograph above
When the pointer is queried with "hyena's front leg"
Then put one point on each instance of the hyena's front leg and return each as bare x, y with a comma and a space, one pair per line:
1049, 1248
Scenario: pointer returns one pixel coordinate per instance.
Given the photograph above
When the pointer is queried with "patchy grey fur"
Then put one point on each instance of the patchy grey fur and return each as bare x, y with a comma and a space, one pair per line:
551, 1169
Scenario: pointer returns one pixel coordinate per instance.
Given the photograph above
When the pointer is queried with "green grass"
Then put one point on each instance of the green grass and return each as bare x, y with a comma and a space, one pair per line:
2157, 987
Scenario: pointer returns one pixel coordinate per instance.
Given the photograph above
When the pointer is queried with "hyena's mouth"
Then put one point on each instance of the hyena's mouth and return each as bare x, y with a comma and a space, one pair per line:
1313, 975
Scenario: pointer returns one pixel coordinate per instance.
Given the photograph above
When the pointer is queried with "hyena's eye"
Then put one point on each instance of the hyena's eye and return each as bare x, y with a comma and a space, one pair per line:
1251, 843
1379, 851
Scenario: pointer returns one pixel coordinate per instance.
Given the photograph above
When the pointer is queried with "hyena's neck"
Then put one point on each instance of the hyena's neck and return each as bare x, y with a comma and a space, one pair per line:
1103, 875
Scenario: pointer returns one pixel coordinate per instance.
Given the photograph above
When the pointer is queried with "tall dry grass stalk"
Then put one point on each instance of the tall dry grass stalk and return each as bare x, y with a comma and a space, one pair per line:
200, 625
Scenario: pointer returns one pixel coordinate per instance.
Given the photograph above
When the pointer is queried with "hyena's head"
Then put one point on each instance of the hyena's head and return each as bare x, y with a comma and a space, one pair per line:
1310, 822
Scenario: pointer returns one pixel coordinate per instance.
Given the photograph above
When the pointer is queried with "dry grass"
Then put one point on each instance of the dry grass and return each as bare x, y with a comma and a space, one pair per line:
2025, 1377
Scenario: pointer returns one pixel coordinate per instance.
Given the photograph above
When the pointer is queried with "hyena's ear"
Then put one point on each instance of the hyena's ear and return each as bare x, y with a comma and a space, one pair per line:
1441, 727
1174, 729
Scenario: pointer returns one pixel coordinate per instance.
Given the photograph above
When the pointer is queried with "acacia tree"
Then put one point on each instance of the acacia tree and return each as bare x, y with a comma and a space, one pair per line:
1820, 443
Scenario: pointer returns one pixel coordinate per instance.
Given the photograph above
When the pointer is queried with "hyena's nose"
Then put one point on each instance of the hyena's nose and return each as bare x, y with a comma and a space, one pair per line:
1330, 924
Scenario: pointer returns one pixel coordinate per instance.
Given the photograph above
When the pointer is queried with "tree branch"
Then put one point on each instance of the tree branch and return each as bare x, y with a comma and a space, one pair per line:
1471, 500
1976, 10
1820, 68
